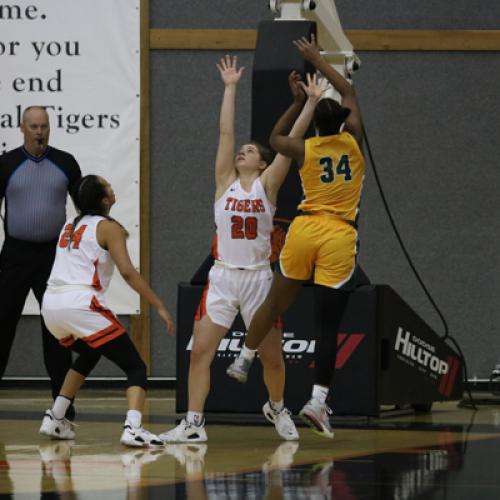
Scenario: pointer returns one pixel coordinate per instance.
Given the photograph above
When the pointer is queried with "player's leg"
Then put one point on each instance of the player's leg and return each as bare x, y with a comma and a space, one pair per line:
57, 361
215, 315
206, 338
254, 288
123, 353
54, 423
335, 263
329, 305
273, 367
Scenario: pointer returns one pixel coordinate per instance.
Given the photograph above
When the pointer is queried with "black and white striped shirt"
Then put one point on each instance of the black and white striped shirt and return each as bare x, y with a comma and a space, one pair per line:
35, 191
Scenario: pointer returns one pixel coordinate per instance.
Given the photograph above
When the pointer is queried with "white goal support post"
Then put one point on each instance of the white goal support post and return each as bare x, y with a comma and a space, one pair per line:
336, 47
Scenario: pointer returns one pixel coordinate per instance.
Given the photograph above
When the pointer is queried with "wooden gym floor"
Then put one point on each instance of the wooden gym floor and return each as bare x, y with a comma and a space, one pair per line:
451, 453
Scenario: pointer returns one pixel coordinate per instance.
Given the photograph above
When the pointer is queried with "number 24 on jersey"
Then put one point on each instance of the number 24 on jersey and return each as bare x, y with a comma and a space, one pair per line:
72, 239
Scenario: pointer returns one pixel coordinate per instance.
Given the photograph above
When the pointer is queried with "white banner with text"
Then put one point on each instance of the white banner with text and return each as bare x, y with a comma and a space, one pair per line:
81, 60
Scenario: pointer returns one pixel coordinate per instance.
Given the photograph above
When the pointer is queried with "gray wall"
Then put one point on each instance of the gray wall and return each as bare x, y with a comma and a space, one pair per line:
432, 125
354, 14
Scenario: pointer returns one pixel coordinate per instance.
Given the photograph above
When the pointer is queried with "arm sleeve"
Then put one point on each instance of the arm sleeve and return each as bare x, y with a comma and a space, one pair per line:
74, 174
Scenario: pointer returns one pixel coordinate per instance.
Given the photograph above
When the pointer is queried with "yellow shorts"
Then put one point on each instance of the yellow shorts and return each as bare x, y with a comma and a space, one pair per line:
323, 244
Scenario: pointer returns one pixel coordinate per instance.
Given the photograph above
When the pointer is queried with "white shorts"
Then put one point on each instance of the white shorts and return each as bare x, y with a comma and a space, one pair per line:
80, 314
230, 291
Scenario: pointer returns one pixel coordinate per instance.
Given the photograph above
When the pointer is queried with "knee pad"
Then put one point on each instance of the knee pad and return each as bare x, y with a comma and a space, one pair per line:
85, 363
137, 375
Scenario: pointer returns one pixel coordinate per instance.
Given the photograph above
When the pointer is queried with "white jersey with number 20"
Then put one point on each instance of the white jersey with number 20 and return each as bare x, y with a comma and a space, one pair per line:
244, 223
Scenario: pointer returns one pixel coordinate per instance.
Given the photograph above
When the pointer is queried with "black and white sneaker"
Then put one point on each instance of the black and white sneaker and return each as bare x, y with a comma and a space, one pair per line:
185, 433
57, 428
137, 437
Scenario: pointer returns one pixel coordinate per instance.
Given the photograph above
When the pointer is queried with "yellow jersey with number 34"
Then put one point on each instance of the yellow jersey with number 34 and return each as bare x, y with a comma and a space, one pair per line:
332, 176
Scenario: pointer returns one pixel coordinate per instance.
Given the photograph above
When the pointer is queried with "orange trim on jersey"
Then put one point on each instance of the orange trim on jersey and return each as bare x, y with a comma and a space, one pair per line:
107, 334
215, 247
67, 341
96, 282
278, 323
202, 307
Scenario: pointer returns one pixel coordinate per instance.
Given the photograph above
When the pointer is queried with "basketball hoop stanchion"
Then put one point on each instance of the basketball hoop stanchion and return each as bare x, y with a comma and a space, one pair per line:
291, 9
336, 47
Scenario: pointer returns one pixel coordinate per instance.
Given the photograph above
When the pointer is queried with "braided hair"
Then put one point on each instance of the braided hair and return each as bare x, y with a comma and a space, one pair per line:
87, 195
329, 116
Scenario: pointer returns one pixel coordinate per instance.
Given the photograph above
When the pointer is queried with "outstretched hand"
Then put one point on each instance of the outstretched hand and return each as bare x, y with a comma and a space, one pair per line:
294, 81
315, 87
309, 49
229, 71
167, 319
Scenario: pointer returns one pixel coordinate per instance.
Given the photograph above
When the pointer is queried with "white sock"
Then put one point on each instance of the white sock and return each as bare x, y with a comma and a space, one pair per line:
195, 418
277, 406
134, 417
61, 404
320, 392
247, 353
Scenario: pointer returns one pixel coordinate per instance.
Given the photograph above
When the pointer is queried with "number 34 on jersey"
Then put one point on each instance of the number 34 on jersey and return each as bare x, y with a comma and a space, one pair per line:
332, 170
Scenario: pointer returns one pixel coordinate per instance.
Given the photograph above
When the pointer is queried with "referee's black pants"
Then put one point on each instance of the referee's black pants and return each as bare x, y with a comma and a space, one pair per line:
23, 266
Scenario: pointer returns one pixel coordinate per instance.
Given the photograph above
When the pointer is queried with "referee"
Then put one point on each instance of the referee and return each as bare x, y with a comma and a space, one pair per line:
35, 180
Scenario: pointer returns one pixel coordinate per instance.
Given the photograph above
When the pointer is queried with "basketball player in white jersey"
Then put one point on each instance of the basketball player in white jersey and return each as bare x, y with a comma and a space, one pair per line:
245, 198
75, 311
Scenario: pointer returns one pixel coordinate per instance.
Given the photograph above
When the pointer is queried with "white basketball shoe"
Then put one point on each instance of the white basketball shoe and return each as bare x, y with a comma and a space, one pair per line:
185, 432
137, 437
282, 421
57, 428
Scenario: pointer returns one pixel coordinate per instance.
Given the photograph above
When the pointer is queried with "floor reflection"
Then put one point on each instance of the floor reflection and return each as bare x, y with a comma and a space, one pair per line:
55, 460
412, 473
450, 454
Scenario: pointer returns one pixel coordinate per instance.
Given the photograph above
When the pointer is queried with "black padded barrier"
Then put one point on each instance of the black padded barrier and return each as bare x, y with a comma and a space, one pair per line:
387, 355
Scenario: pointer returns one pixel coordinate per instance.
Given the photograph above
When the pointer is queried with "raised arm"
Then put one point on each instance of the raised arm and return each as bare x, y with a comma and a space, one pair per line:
293, 145
273, 177
225, 171
311, 53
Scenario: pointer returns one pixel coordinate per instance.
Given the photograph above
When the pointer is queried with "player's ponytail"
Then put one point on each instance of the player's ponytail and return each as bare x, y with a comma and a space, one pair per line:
87, 195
